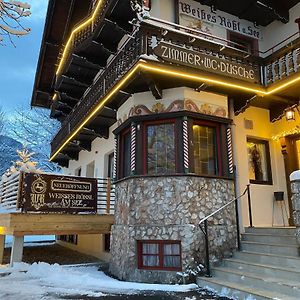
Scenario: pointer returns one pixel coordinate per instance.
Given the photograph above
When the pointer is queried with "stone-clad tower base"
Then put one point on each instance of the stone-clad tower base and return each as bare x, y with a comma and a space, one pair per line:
169, 209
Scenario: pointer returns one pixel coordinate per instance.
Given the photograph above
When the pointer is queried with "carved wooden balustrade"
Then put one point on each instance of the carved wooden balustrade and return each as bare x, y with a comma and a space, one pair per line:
121, 63
282, 63
84, 30
137, 45
140, 44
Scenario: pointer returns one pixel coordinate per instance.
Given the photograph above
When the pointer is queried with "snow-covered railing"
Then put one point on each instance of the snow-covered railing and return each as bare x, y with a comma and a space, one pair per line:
9, 191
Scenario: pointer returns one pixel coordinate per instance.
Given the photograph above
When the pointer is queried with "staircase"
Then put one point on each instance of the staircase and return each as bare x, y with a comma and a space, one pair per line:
268, 267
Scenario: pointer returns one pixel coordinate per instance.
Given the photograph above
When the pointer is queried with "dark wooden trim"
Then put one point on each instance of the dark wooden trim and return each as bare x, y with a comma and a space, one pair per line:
268, 157
172, 115
160, 254
218, 157
175, 175
121, 152
179, 145
144, 151
191, 146
224, 149
253, 42
290, 165
176, 3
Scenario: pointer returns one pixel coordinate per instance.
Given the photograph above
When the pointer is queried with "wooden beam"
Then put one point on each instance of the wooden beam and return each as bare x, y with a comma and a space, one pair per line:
101, 132
240, 105
20, 224
2, 244
153, 86
82, 145
70, 154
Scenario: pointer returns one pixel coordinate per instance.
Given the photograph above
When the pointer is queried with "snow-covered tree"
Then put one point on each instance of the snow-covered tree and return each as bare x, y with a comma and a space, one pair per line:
34, 128
11, 15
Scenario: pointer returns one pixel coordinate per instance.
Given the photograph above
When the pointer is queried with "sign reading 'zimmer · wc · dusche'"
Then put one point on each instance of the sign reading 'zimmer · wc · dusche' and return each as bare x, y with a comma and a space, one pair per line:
57, 194
190, 58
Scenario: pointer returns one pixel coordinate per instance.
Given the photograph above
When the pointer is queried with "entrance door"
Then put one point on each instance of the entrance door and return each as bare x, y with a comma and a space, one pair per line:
291, 153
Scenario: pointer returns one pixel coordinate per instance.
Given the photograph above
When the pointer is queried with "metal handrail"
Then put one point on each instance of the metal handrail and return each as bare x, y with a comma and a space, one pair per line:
205, 229
227, 204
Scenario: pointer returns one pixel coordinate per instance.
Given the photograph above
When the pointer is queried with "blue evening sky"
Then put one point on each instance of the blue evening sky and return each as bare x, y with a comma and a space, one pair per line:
18, 65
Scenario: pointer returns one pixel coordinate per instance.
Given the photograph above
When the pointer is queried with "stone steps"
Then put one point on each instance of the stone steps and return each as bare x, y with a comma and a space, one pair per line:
271, 230
268, 267
239, 291
269, 238
280, 249
268, 259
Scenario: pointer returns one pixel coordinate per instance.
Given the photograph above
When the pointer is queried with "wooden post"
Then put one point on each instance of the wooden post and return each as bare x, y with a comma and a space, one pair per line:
108, 188
17, 250
2, 244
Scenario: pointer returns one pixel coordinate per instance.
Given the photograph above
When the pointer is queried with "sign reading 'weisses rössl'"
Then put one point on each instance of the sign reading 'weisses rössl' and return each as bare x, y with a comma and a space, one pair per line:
54, 193
222, 19
179, 55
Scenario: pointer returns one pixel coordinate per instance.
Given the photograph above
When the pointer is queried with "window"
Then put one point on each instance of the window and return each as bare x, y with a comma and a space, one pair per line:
159, 255
125, 153
72, 239
90, 170
78, 172
160, 148
110, 169
205, 149
259, 167
107, 242
243, 42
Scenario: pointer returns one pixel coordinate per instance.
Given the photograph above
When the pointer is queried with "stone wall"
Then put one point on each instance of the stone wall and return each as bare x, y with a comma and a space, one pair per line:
170, 208
295, 188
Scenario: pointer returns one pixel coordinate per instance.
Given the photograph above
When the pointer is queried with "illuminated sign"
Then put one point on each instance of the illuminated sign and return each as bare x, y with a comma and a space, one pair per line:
183, 56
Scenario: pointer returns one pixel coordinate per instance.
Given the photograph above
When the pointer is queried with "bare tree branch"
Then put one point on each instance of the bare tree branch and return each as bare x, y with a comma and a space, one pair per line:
11, 14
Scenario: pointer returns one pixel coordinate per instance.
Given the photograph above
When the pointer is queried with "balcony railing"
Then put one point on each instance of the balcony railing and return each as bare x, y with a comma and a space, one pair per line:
121, 63
271, 69
282, 63
138, 45
83, 31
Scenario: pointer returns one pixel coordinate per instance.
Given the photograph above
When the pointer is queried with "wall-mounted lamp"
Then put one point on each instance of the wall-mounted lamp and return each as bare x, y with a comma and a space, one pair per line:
290, 114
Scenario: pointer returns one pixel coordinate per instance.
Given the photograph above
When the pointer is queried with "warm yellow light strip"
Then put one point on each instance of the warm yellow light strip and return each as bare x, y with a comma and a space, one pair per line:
96, 109
201, 79
54, 97
280, 87
68, 44
161, 70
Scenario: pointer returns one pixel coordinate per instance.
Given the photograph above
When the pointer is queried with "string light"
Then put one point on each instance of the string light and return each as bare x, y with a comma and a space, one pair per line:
295, 130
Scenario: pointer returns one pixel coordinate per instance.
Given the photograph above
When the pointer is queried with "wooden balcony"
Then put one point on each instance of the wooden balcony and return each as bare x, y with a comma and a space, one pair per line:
95, 112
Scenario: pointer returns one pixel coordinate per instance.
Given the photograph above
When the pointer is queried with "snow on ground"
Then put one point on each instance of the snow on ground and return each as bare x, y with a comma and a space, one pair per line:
44, 281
